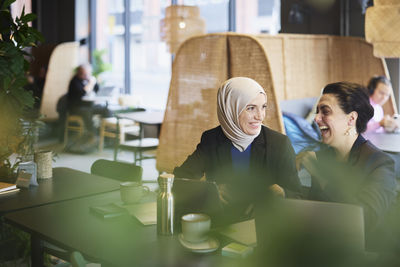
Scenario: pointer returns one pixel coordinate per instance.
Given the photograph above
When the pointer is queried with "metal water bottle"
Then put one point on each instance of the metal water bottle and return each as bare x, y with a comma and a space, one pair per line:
165, 205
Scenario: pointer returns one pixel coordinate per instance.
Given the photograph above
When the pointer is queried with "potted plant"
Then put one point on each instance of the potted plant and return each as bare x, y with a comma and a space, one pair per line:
17, 120
99, 66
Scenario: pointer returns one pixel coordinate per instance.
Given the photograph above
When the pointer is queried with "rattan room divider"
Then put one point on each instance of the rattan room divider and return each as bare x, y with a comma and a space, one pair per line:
287, 66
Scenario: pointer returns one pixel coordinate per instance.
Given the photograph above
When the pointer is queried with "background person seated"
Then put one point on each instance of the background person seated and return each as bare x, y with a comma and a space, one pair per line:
83, 83
379, 89
246, 159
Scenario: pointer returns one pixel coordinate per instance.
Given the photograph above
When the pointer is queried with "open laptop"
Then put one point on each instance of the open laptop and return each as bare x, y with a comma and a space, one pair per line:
195, 196
107, 91
311, 232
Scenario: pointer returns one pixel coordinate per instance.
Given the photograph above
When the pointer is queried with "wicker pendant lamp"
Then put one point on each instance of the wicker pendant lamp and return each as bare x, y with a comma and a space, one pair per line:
382, 24
180, 23
321, 5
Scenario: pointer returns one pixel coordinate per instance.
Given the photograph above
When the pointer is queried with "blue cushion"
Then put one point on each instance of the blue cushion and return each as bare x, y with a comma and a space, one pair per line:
301, 133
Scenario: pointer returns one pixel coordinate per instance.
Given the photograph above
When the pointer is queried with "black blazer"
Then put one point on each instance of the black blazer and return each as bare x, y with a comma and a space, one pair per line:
272, 161
367, 179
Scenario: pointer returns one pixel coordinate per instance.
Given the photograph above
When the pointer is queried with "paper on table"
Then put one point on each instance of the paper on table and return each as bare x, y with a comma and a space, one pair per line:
9, 191
243, 232
146, 213
7, 186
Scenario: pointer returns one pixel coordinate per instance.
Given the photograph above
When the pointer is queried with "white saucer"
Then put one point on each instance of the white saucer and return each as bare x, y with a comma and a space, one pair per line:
209, 245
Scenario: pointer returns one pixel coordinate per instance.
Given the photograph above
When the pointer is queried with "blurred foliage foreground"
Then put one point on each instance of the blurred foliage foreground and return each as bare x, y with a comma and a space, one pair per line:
17, 120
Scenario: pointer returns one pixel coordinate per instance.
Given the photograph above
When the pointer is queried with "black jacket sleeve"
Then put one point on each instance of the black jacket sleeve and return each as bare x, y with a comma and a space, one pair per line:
194, 166
288, 177
371, 186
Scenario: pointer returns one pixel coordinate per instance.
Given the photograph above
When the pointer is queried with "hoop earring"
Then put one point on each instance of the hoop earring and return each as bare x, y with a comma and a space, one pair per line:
350, 131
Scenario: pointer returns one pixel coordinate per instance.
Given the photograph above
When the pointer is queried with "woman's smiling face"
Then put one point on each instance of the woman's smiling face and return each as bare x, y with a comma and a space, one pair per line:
251, 118
333, 122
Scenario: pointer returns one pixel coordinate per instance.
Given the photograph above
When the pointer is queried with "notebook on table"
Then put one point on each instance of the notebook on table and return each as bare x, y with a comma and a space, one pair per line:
241, 232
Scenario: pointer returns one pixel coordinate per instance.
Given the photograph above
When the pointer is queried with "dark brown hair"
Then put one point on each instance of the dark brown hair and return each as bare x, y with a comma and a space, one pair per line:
352, 97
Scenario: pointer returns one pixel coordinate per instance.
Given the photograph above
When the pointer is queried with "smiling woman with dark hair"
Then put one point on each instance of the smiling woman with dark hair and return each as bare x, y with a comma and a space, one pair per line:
351, 169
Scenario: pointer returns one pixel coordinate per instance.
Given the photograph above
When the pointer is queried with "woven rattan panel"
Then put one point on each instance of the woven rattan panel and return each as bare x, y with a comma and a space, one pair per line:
382, 24
385, 2
288, 66
301, 65
248, 59
199, 68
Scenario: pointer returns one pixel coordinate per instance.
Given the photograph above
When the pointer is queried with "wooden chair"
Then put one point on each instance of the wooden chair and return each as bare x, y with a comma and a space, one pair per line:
138, 147
108, 128
73, 123
117, 170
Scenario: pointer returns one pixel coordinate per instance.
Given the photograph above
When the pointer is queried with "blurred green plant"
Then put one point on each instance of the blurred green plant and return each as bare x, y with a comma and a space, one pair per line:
99, 66
16, 117
14, 243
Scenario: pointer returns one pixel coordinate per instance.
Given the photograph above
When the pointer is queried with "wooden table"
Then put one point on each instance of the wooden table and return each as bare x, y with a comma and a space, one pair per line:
120, 241
389, 142
144, 118
66, 184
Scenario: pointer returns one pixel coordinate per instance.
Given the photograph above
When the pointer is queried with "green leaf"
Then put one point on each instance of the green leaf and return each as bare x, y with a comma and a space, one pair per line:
37, 34
28, 17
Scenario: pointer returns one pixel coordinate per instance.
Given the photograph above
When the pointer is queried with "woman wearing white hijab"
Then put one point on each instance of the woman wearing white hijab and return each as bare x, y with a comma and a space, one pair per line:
242, 156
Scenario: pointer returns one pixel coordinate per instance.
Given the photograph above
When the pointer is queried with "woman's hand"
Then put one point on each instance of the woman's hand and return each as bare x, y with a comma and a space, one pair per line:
90, 85
389, 123
308, 160
277, 190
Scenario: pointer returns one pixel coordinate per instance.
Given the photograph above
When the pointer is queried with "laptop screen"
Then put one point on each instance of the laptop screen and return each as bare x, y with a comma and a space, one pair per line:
311, 232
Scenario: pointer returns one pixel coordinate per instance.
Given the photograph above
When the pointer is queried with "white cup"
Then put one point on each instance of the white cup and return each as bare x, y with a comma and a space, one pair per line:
195, 227
132, 192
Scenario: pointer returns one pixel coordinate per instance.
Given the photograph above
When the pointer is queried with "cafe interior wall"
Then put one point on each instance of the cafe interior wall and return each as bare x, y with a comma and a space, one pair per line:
63, 21
58, 20
344, 17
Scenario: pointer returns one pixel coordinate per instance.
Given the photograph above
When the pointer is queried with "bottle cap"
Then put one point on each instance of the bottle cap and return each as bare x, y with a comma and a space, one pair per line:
166, 178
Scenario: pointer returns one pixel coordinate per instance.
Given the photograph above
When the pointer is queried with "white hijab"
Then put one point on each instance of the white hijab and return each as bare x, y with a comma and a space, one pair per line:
233, 97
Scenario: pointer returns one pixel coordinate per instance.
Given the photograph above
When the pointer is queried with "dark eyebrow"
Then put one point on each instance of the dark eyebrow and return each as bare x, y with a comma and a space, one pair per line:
322, 106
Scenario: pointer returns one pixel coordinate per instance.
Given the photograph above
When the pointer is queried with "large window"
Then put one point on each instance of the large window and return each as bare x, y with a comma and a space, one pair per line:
110, 31
258, 16
214, 12
147, 61
150, 61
